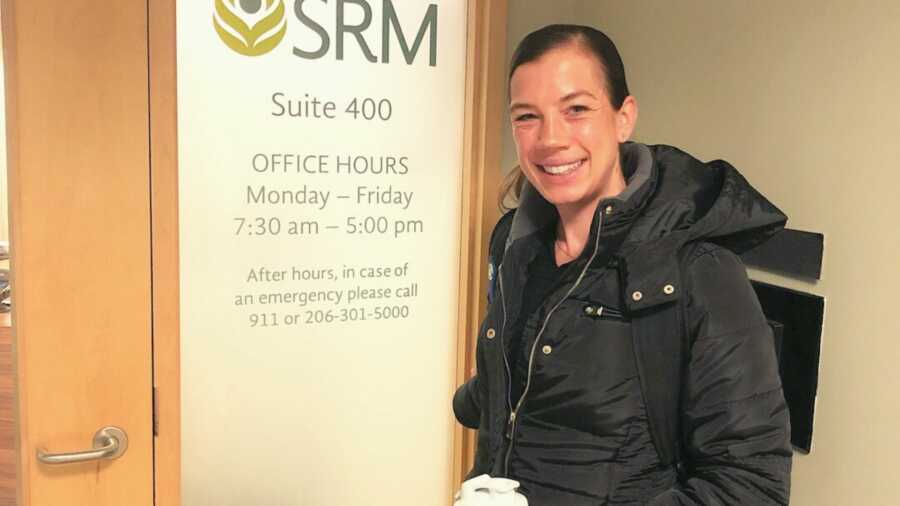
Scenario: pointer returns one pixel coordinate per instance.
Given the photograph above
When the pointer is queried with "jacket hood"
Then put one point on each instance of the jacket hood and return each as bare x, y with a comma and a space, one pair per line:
671, 199
708, 201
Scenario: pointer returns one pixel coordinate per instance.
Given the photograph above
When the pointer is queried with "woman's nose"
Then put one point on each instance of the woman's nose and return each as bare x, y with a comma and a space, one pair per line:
553, 132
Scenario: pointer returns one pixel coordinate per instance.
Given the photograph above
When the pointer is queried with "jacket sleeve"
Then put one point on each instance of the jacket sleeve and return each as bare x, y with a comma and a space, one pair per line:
465, 404
735, 422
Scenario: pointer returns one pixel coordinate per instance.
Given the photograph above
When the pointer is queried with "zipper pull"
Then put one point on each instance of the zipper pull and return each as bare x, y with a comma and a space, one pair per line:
510, 424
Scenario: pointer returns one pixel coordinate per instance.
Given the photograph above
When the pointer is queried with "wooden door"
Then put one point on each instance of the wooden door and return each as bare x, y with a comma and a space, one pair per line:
79, 174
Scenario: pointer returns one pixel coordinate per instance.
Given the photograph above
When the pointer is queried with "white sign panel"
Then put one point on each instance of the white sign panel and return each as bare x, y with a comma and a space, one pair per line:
320, 156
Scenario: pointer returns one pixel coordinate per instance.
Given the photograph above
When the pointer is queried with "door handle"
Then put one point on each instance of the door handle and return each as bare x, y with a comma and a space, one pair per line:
109, 443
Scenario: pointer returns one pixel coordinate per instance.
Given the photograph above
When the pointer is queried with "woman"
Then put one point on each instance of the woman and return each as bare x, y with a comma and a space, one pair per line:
624, 358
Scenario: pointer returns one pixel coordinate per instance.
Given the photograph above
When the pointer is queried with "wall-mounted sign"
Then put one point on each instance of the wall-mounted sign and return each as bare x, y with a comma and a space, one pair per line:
320, 155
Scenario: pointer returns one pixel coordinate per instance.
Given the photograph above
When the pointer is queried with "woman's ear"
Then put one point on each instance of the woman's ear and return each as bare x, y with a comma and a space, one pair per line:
626, 118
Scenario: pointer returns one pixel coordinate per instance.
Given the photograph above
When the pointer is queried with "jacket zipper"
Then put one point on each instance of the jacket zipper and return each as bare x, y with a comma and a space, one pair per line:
511, 424
502, 345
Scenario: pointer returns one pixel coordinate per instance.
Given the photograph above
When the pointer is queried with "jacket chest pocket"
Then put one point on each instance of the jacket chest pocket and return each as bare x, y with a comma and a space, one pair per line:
599, 311
593, 342
590, 318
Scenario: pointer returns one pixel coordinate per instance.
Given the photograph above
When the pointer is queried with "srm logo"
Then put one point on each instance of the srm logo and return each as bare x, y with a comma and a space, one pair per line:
256, 27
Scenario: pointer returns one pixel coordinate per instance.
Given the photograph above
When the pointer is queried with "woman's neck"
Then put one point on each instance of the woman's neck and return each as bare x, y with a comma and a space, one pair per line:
574, 226
572, 231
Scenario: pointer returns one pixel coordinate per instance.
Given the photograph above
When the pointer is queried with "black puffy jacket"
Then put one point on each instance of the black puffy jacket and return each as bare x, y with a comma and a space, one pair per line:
733, 425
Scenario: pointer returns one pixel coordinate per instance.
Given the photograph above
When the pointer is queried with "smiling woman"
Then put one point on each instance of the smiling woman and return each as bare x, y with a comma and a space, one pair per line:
656, 381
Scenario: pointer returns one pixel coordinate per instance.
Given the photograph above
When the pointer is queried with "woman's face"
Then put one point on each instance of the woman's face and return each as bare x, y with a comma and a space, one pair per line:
566, 131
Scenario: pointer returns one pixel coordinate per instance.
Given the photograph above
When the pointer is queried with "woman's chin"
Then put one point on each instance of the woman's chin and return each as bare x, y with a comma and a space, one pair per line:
562, 197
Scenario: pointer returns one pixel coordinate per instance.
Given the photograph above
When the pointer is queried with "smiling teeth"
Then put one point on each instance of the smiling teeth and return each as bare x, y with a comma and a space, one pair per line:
561, 169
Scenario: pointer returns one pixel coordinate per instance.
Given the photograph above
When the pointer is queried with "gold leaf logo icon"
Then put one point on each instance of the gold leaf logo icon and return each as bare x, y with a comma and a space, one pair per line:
250, 27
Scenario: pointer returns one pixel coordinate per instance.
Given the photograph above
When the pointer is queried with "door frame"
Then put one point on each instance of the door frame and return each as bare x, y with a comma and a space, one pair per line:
164, 251
484, 103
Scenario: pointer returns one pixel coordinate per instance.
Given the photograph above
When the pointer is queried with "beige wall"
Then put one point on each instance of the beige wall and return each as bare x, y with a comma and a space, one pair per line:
803, 98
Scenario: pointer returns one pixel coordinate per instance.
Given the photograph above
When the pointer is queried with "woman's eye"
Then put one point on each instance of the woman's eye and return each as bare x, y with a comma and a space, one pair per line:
577, 109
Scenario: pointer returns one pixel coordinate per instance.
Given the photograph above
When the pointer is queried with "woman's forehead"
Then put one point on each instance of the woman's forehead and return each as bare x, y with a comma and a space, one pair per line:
557, 74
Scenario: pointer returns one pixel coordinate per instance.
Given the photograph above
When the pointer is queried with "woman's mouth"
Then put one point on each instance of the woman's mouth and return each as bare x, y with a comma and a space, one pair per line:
561, 169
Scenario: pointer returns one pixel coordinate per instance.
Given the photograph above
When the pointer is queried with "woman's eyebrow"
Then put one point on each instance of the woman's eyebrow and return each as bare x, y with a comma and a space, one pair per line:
570, 96
576, 94
519, 105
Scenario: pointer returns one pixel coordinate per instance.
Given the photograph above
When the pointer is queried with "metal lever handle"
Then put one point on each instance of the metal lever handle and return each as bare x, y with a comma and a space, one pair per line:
109, 443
